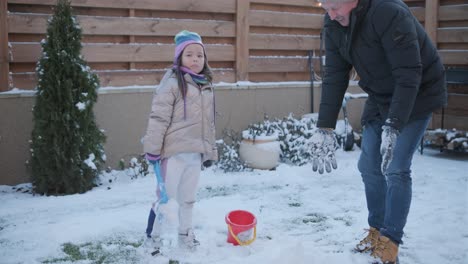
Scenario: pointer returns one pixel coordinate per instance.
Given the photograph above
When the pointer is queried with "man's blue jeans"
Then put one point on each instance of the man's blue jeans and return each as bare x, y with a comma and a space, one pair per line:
389, 197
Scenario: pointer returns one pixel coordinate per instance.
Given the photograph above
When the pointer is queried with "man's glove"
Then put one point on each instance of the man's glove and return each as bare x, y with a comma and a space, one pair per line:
389, 137
151, 158
323, 145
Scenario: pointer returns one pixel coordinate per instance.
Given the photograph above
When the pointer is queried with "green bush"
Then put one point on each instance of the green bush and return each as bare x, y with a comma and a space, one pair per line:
66, 144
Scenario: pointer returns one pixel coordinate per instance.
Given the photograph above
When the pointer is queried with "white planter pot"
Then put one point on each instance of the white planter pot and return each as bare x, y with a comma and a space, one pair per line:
261, 153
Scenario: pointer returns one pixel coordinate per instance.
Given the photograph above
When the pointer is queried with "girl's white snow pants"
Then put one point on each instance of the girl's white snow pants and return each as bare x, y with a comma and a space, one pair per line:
181, 174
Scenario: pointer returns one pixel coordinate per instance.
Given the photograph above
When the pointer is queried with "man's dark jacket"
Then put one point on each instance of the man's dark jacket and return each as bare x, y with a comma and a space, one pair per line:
397, 64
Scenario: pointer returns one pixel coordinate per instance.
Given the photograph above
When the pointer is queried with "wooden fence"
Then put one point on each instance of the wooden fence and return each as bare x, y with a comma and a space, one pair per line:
130, 42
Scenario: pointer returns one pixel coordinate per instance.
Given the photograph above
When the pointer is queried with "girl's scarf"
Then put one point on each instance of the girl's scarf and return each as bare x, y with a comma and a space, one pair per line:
199, 79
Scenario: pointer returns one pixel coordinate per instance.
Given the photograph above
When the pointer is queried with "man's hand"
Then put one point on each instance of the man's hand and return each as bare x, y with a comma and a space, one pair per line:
323, 144
389, 137
151, 158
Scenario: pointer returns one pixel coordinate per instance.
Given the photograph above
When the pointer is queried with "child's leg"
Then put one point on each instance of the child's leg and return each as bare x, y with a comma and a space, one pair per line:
188, 190
172, 170
181, 177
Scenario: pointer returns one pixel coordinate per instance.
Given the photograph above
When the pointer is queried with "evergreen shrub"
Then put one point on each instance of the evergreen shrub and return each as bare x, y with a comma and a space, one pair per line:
66, 144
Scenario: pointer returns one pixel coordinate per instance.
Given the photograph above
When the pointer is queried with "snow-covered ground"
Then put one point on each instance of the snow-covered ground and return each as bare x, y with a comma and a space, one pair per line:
303, 217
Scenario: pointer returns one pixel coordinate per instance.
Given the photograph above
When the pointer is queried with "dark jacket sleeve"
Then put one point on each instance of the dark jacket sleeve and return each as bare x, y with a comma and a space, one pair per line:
335, 82
397, 30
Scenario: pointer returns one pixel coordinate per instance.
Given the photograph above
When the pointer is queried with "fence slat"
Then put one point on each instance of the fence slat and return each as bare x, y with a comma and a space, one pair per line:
218, 6
307, 3
285, 20
30, 52
452, 35
37, 24
284, 42
453, 12
454, 57
281, 64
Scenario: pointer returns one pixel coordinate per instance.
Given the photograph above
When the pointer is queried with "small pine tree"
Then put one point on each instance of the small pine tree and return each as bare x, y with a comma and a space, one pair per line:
67, 146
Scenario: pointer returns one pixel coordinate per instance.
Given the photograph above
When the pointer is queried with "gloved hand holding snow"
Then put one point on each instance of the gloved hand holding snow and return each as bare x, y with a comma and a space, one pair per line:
323, 145
389, 137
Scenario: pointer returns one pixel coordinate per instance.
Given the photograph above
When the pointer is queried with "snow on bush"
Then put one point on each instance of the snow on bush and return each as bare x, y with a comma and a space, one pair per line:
292, 133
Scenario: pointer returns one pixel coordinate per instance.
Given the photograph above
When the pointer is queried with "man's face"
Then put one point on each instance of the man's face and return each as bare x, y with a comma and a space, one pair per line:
340, 11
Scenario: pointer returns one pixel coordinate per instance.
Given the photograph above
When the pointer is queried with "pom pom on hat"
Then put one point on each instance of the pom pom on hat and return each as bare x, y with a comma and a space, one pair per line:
183, 39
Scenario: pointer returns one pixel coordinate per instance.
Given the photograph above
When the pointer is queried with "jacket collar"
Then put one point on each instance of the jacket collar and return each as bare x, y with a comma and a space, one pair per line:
362, 6
356, 17
190, 80
358, 13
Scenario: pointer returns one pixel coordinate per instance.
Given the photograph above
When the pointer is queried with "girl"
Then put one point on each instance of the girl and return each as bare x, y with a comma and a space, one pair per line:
181, 127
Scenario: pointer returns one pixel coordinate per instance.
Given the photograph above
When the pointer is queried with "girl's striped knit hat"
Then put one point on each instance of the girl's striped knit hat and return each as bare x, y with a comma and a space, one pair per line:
183, 39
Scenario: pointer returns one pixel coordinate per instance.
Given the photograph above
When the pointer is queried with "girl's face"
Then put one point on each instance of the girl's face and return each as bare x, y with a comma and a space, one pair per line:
193, 57
340, 12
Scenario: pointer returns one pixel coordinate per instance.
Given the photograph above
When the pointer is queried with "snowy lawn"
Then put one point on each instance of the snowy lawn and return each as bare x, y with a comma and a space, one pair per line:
303, 217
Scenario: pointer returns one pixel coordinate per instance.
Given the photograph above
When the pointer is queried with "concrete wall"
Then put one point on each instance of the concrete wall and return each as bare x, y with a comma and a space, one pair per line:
15, 132
123, 113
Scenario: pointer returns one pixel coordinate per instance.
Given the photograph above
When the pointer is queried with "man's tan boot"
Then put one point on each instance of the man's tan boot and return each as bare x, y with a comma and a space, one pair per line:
386, 250
369, 241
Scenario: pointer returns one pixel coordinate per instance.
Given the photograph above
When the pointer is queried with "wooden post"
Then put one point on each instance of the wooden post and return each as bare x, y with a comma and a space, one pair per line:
4, 54
242, 40
432, 19
431, 24
131, 13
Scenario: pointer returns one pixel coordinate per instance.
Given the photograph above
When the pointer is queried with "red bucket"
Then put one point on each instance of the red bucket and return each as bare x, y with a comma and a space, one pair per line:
242, 227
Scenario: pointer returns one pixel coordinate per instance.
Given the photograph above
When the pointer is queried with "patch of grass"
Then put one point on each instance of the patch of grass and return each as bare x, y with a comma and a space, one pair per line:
73, 251
117, 250
3, 224
314, 218
346, 221
210, 192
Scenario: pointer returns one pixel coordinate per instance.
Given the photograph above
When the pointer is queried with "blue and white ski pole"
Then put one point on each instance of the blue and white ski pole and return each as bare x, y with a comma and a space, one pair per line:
163, 199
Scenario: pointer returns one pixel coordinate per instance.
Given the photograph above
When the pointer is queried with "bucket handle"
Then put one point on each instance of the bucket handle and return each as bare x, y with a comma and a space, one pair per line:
246, 243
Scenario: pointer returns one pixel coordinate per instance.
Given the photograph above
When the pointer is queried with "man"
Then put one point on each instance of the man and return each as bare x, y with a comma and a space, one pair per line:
401, 71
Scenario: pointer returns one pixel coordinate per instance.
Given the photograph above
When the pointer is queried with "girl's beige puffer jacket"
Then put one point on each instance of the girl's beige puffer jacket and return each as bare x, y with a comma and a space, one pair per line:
169, 132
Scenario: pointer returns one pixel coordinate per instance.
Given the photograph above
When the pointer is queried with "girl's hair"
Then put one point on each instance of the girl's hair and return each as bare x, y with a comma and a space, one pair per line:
180, 75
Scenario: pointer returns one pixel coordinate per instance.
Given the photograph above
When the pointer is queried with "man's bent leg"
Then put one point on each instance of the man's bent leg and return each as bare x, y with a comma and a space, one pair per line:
369, 165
